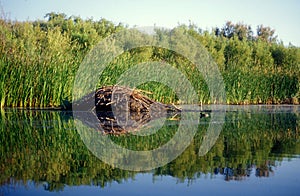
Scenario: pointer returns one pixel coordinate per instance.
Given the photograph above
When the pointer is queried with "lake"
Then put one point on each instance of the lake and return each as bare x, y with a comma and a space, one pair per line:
256, 151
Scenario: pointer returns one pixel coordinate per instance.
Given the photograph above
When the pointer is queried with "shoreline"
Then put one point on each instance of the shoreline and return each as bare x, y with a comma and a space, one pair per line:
201, 106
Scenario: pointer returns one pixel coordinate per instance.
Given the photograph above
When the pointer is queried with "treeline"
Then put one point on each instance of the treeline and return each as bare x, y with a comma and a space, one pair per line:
39, 60
256, 67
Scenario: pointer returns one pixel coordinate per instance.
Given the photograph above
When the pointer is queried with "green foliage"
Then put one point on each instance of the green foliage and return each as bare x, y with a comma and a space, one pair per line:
38, 61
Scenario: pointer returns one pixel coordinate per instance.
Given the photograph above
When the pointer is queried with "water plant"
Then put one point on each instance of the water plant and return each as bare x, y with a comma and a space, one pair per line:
39, 59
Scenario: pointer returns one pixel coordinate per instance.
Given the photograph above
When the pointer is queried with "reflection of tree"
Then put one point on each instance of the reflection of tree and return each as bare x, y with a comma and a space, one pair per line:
264, 170
45, 148
247, 142
234, 173
240, 173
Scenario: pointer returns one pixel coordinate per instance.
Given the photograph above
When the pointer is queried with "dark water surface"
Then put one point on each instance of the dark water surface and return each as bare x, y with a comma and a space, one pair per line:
257, 153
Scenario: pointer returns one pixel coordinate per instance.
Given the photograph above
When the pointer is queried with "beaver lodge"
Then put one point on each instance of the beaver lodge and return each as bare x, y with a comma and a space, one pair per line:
123, 110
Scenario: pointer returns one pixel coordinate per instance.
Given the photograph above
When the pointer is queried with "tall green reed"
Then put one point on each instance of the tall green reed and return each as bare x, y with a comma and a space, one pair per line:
38, 62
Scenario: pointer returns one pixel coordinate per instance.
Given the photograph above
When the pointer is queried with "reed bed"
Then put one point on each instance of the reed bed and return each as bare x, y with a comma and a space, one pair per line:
39, 60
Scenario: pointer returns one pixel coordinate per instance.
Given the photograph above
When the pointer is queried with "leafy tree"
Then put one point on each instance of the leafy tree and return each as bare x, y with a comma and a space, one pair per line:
239, 30
237, 54
278, 54
262, 56
266, 34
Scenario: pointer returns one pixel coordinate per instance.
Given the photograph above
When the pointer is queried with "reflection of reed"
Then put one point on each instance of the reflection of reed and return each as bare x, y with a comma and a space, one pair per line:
44, 146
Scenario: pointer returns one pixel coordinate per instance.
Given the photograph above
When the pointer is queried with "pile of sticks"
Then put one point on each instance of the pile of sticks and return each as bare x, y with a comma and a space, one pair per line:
128, 99
122, 110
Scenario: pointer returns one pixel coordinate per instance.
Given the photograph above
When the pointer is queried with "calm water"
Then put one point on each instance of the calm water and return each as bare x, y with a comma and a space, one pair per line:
257, 152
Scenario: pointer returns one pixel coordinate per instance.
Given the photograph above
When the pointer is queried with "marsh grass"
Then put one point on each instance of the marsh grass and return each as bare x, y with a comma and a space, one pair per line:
39, 60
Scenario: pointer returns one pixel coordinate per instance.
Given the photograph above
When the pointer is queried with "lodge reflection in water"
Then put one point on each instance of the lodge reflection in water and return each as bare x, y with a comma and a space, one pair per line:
44, 147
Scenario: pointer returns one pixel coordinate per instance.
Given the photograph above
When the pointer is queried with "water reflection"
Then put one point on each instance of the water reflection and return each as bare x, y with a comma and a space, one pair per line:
45, 148
241, 173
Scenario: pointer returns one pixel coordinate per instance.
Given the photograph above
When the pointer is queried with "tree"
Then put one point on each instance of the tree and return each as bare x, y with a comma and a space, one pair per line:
52, 16
228, 30
266, 34
237, 54
262, 56
243, 31
240, 30
278, 55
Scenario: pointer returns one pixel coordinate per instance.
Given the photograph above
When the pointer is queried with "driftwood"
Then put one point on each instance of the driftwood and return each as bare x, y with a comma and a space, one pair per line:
122, 110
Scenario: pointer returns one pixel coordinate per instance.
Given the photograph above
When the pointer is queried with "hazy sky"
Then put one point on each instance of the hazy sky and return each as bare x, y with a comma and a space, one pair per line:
283, 16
